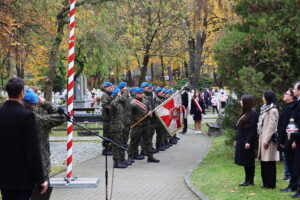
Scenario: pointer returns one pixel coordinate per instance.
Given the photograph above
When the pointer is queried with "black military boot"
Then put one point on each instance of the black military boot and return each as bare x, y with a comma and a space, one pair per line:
138, 157
126, 162
143, 153
176, 138
160, 148
173, 141
154, 150
152, 159
120, 165
130, 159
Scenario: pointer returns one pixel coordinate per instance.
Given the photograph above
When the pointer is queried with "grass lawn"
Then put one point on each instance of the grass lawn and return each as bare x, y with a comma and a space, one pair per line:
63, 133
218, 177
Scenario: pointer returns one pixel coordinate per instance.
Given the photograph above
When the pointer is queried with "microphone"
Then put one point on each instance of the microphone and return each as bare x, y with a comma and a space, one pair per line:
62, 112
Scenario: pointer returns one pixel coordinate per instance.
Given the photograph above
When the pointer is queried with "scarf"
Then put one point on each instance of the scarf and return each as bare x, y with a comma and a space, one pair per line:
263, 112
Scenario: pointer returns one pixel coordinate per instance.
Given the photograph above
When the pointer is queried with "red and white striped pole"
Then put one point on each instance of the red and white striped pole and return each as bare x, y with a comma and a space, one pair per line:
71, 88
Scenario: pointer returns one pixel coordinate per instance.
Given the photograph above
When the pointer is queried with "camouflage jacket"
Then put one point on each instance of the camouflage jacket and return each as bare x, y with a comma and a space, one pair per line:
157, 101
138, 112
46, 117
105, 103
117, 115
127, 108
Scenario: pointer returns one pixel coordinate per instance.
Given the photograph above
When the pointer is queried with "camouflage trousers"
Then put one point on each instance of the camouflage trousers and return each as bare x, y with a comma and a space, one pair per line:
152, 131
137, 133
106, 133
159, 128
126, 132
118, 153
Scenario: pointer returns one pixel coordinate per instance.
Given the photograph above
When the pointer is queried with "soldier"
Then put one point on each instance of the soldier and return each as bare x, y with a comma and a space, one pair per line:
105, 103
147, 87
140, 108
46, 117
159, 128
116, 127
126, 114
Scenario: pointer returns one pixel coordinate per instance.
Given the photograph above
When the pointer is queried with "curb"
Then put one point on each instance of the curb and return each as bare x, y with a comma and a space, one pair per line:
189, 174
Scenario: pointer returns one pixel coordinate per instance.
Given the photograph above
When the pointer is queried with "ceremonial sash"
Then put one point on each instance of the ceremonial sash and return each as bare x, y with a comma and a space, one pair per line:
137, 102
197, 104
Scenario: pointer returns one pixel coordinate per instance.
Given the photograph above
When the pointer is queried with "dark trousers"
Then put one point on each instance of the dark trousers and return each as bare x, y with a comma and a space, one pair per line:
13, 194
290, 161
249, 173
106, 145
118, 153
159, 129
137, 133
268, 174
215, 108
185, 124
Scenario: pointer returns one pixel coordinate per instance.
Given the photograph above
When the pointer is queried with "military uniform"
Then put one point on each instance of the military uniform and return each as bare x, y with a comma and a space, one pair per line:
105, 103
116, 127
160, 129
141, 130
46, 118
127, 116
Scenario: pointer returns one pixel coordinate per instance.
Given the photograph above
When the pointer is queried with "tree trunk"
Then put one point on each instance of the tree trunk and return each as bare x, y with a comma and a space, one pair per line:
144, 67
186, 69
170, 74
162, 70
191, 45
129, 78
152, 72
53, 57
217, 80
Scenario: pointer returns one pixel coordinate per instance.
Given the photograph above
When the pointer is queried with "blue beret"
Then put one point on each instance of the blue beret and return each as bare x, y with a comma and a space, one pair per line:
150, 85
172, 91
132, 89
122, 85
145, 84
107, 84
157, 90
31, 97
115, 92
139, 91
163, 90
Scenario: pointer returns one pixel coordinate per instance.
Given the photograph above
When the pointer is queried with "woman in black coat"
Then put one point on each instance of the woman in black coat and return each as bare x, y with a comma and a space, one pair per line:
197, 110
246, 139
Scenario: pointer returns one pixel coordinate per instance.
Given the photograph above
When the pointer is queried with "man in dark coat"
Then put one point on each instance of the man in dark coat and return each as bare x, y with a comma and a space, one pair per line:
296, 137
185, 104
21, 166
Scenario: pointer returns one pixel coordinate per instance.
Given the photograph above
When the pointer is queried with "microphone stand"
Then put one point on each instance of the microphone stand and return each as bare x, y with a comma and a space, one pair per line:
106, 140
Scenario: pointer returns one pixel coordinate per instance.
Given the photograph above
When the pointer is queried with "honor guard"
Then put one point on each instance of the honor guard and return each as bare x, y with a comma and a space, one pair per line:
105, 103
140, 108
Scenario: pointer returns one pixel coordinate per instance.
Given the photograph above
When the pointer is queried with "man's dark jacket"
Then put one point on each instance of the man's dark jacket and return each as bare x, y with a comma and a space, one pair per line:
283, 122
20, 162
185, 99
296, 135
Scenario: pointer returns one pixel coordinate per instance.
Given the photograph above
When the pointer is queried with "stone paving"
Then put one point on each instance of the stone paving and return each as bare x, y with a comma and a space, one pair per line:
142, 180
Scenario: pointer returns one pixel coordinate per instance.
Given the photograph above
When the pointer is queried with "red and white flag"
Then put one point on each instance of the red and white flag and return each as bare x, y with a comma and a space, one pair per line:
170, 112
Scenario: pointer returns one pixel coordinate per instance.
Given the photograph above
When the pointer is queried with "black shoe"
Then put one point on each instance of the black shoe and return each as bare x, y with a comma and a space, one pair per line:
126, 162
152, 159
176, 138
130, 159
161, 148
173, 141
143, 153
154, 150
296, 196
287, 190
120, 165
109, 152
182, 132
246, 183
138, 157
104, 152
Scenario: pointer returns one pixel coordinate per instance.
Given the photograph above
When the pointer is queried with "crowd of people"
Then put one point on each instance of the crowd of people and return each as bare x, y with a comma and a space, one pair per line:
270, 133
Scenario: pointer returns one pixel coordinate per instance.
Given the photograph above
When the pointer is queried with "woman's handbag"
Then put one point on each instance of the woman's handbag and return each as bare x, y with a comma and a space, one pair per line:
275, 137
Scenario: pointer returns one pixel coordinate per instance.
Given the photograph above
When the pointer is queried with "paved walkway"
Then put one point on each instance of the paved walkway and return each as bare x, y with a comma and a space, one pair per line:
142, 180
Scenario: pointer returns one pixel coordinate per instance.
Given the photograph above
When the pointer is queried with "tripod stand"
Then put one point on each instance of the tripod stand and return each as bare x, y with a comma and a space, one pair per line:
106, 140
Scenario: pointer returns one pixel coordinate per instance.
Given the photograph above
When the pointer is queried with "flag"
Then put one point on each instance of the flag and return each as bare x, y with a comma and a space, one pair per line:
170, 112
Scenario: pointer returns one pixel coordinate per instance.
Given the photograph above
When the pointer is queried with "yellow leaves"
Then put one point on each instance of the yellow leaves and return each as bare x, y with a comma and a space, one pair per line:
251, 194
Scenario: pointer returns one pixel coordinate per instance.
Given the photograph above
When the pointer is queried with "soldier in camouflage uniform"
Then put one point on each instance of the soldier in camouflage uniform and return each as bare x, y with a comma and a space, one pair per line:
147, 88
127, 115
116, 126
105, 103
140, 108
160, 129
46, 117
